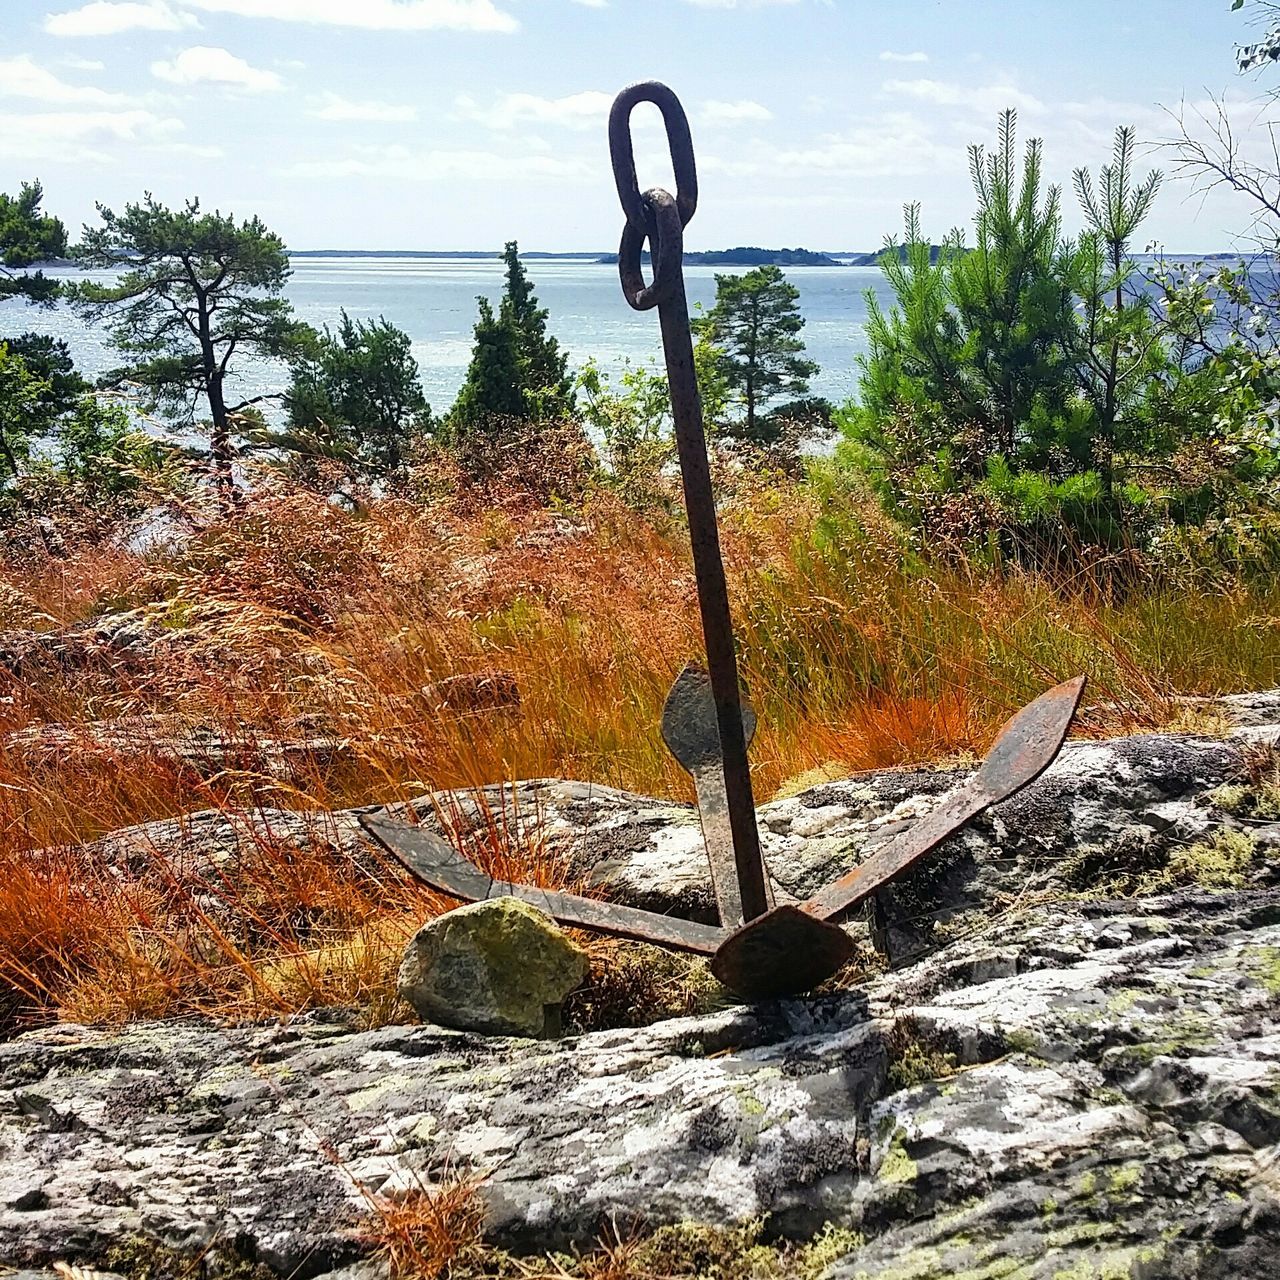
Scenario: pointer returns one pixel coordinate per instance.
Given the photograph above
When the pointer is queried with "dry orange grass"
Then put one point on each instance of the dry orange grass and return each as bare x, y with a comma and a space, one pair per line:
303, 622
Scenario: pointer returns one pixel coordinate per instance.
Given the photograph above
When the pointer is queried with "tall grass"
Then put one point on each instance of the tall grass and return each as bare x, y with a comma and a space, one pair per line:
348, 632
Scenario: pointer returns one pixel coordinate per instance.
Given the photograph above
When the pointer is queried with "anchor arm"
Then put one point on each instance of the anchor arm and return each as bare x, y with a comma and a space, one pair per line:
440, 866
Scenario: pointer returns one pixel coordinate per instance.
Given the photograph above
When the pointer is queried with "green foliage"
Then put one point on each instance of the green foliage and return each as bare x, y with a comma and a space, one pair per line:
632, 421
1013, 376
50, 360
103, 456
194, 291
354, 397
59, 453
754, 329
24, 413
1216, 460
27, 236
517, 370
1264, 52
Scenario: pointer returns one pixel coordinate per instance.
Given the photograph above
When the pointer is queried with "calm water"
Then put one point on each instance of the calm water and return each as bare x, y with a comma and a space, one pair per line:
434, 301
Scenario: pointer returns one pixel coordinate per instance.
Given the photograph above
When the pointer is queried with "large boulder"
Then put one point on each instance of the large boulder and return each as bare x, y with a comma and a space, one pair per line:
500, 967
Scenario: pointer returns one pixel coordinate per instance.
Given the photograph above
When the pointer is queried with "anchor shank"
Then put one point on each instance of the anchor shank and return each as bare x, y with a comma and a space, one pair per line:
713, 598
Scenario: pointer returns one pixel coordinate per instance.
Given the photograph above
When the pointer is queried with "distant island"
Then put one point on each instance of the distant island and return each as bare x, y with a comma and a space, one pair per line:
740, 257
750, 256
873, 259
437, 253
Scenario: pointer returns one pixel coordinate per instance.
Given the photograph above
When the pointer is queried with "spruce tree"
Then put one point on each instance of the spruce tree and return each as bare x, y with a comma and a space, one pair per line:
544, 381
492, 389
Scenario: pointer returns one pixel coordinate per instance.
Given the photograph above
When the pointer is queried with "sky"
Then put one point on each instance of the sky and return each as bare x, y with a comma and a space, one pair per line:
460, 124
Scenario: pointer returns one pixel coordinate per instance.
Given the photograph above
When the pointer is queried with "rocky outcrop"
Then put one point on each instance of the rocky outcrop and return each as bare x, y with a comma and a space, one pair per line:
1054, 1082
167, 740
1084, 1090
1103, 809
120, 644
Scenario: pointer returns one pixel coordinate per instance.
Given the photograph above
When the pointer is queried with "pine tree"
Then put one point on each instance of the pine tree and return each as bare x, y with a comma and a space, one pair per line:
1119, 342
193, 292
27, 236
1013, 296
975, 361
755, 324
355, 395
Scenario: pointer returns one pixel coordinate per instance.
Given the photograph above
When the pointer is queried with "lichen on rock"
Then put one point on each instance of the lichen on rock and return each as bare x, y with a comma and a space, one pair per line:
500, 967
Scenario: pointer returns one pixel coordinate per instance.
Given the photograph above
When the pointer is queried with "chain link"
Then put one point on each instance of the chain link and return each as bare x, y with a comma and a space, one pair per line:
655, 215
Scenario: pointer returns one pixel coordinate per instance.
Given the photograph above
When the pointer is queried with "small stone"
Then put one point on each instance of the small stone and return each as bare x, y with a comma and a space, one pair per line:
500, 967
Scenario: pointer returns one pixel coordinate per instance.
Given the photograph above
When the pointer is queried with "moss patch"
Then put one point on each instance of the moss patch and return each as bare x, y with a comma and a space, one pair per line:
686, 1252
897, 1166
634, 985
917, 1054
1224, 861
141, 1259
819, 776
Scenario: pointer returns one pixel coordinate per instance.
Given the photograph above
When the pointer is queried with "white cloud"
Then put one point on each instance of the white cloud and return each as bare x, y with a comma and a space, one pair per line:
411, 165
381, 15
984, 99
587, 110
202, 64
714, 112
331, 106
737, 4
83, 137
76, 63
107, 18
21, 77
889, 56
885, 146
593, 4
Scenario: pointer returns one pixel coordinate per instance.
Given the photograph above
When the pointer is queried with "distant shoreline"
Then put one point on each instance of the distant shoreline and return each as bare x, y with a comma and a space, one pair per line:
712, 257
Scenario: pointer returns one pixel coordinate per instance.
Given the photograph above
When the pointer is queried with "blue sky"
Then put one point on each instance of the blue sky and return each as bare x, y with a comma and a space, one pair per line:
462, 123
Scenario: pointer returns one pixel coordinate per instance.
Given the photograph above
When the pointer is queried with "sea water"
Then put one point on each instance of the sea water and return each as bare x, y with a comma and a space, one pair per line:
434, 302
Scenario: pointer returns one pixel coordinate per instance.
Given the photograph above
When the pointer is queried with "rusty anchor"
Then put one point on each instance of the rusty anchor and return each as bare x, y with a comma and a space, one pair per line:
760, 949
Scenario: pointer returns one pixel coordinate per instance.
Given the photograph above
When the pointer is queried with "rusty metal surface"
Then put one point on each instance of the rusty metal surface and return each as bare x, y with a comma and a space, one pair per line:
659, 217
795, 952
440, 866
1028, 744
692, 735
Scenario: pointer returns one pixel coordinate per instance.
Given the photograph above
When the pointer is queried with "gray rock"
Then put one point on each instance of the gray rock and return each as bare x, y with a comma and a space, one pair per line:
1114, 1102
500, 967
166, 740
1129, 801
